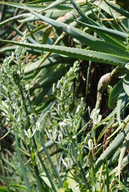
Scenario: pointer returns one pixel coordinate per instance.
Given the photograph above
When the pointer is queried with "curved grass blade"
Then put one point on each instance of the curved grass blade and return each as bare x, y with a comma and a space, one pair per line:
20, 187
111, 32
14, 18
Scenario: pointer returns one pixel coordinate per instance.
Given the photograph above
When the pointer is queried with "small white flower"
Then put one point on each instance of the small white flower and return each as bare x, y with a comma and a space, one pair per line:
5, 104
127, 66
60, 137
54, 88
67, 162
62, 94
29, 134
95, 116
27, 86
70, 88
62, 79
38, 126
97, 119
69, 117
58, 85
52, 134
82, 102
62, 124
78, 108
68, 121
94, 112
59, 107
49, 134
90, 144
12, 55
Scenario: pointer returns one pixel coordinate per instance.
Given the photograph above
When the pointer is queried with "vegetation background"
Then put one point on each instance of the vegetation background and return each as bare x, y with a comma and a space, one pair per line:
64, 92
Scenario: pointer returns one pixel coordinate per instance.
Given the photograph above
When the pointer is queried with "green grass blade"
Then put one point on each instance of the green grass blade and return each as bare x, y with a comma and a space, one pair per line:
14, 19
123, 187
112, 147
116, 90
6, 181
23, 171
77, 53
47, 173
20, 6
51, 162
21, 160
52, 60
20, 187
121, 103
122, 153
53, 4
107, 176
13, 48
107, 126
83, 37
113, 40
30, 39
118, 9
42, 187
85, 17
114, 33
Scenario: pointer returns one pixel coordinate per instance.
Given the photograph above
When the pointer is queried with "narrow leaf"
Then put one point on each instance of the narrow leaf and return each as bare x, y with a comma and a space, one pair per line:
112, 32
112, 147
77, 53
83, 37
118, 9
54, 4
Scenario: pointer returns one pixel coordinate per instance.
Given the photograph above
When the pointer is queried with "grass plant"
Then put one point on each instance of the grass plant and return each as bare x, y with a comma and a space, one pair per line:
64, 87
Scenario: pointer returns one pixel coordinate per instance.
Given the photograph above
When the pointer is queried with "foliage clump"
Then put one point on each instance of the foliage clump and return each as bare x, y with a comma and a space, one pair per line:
64, 126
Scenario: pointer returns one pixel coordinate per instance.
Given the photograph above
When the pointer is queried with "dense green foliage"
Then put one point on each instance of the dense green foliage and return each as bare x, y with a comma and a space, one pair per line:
64, 87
